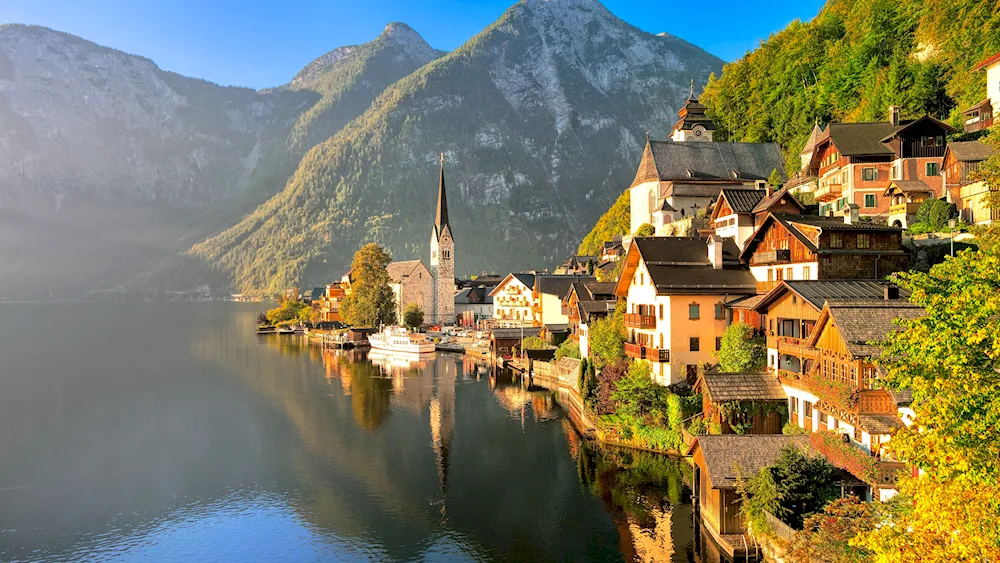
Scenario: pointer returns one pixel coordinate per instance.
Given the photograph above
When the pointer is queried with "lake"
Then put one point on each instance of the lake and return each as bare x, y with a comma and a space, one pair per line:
170, 432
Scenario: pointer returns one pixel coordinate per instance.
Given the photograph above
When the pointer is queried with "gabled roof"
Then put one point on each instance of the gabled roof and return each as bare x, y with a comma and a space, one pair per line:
686, 161
398, 270
814, 138
862, 321
732, 456
818, 292
792, 223
591, 291
742, 386
528, 280
776, 197
880, 423
559, 285
680, 265
474, 296
589, 310
970, 151
741, 200
908, 187
988, 62
861, 138
985, 103
904, 127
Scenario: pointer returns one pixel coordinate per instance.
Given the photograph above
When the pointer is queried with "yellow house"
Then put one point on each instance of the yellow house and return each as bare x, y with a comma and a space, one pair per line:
676, 291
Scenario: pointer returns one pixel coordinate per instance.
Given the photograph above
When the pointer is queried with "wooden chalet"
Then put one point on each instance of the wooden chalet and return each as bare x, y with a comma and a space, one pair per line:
505, 341
793, 247
737, 212
719, 391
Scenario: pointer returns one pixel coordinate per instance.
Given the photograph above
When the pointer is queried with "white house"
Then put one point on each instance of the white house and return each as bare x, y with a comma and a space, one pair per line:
513, 300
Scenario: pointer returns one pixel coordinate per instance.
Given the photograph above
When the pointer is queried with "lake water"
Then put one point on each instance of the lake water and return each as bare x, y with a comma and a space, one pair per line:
170, 432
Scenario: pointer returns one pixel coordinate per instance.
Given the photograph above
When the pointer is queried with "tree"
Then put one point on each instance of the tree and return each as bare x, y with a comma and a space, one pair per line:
569, 348
645, 230
741, 351
827, 536
774, 180
371, 302
607, 337
413, 316
607, 382
804, 484
636, 394
950, 359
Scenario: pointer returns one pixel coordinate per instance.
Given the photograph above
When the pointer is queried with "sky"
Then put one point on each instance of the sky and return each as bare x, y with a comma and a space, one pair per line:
263, 44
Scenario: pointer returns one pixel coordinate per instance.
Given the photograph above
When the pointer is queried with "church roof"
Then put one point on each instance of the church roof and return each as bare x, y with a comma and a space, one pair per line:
398, 270
691, 162
441, 214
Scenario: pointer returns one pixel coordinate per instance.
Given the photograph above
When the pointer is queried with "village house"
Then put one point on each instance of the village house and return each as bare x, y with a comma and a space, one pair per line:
854, 162
802, 181
726, 395
678, 177
586, 301
676, 291
980, 116
577, 265
737, 212
799, 247
473, 305
548, 296
328, 303
976, 201
613, 250
513, 300
905, 199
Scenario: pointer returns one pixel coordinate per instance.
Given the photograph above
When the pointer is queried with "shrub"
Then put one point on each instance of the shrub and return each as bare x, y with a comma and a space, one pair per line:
697, 426
534, 343
606, 383
569, 348
792, 429
413, 316
741, 350
636, 394
645, 230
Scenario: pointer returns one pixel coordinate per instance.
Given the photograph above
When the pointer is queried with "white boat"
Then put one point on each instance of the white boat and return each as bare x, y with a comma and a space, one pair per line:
398, 339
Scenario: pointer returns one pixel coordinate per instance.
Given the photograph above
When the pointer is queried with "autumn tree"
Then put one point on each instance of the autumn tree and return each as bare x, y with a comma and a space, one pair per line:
741, 350
371, 302
645, 230
827, 536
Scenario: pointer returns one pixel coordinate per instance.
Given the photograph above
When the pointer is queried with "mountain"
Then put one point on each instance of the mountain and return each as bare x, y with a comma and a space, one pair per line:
851, 62
542, 118
110, 166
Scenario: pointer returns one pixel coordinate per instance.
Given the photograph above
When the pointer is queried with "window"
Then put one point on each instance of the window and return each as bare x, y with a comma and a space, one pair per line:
720, 311
718, 343
779, 274
840, 204
661, 311
836, 240
869, 200
864, 240
869, 174
770, 274
695, 344
807, 408
793, 405
823, 419
694, 311
932, 169
805, 273
895, 172
642, 279
788, 274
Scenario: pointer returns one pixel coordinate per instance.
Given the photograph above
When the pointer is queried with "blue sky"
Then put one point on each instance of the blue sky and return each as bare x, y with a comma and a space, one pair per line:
261, 44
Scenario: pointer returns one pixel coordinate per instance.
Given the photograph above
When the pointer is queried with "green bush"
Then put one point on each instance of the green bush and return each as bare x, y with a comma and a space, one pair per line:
645, 230
534, 343
697, 426
792, 429
569, 348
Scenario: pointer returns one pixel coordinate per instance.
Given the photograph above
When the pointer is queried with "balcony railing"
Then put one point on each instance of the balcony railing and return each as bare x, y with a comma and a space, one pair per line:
633, 320
978, 124
904, 209
829, 192
889, 473
913, 149
766, 286
658, 355
637, 351
779, 256
794, 346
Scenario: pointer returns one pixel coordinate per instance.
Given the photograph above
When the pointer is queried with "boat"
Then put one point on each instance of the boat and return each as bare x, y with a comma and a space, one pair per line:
398, 339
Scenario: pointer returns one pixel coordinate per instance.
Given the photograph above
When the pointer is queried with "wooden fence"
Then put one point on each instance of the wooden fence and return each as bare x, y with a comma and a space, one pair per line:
782, 531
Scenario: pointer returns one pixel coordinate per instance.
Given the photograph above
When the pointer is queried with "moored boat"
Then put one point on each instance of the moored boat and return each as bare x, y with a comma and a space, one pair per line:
398, 339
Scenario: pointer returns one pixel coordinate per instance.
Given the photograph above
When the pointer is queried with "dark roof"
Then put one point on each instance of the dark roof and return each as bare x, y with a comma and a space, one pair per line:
559, 285
475, 296
591, 291
749, 302
743, 386
527, 279
869, 320
863, 138
697, 189
791, 222
836, 223
594, 309
557, 328
818, 292
776, 196
903, 397
909, 187
681, 265
908, 124
728, 456
693, 113
970, 151
514, 333
711, 160
881, 423
441, 216
742, 200
317, 293
665, 207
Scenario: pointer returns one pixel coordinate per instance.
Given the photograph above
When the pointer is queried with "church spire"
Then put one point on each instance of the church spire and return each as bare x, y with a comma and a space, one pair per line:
441, 218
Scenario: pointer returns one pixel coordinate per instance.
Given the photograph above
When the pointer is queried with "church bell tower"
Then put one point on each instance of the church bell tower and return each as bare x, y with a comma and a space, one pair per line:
443, 260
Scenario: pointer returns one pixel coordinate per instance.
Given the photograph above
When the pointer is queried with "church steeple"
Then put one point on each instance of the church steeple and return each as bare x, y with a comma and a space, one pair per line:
694, 124
441, 218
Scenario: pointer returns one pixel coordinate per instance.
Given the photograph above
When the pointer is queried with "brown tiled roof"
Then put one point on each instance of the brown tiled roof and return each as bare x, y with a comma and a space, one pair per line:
729, 456
697, 189
748, 303
743, 386
681, 265
766, 203
397, 270
881, 423
970, 151
987, 62
903, 397
869, 320
742, 200
594, 309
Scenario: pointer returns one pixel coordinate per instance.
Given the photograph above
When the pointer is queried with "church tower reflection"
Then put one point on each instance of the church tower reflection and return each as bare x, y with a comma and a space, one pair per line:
442, 419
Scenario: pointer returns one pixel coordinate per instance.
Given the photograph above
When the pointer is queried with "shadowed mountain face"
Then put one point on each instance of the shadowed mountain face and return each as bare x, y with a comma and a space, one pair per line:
112, 170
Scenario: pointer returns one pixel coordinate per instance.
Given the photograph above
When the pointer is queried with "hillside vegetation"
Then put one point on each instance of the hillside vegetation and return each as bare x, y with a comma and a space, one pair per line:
851, 62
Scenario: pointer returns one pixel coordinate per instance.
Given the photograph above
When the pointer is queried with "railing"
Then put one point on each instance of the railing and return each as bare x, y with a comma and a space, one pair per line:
779, 256
828, 192
766, 286
912, 149
657, 354
782, 531
633, 320
904, 209
978, 124
888, 472
794, 346
637, 351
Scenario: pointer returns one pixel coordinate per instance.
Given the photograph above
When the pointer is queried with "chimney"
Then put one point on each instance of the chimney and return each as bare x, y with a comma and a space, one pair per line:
715, 251
891, 292
763, 185
894, 115
851, 216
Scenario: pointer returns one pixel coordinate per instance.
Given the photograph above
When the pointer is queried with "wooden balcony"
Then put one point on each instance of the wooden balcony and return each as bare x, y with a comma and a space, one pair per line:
829, 192
779, 256
978, 124
766, 286
633, 320
794, 346
904, 209
637, 351
913, 149
889, 473
658, 355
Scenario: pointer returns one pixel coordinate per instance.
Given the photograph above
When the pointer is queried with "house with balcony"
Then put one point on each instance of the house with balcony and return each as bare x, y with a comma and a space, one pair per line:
514, 301
905, 199
854, 162
837, 397
676, 291
549, 310
800, 247
981, 115
585, 303
327, 304
976, 201
737, 212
